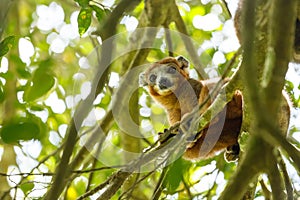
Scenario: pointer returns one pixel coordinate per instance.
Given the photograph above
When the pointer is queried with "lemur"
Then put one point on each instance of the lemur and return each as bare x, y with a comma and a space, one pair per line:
169, 84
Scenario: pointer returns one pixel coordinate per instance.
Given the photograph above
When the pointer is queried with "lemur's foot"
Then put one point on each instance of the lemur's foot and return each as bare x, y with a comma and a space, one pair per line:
232, 153
166, 135
187, 119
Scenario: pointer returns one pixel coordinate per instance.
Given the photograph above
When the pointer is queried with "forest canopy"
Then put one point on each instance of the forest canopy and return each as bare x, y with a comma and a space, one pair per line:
76, 124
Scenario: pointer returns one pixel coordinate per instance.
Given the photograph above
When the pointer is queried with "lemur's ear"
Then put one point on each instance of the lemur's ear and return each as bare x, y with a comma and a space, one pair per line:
142, 79
183, 62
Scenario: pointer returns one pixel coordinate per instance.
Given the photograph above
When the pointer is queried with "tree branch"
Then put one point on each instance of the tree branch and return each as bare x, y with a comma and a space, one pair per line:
188, 42
160, 184
4, 8
274, 137
275, 178
265, 190
287, 181
247, 170
281, 37
109, 27
95, 136
62, 170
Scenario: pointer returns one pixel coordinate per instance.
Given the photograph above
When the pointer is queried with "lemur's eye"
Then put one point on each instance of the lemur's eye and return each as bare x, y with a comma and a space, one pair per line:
171, 70
152, 78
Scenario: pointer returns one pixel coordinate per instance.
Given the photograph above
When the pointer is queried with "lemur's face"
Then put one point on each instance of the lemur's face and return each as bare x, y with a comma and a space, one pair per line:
165, 76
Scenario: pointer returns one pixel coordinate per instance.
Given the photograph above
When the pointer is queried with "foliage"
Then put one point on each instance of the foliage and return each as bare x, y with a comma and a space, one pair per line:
6, 44
65, 110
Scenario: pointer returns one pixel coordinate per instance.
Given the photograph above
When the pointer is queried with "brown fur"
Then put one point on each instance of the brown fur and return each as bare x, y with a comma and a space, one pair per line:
211, 135
183, 96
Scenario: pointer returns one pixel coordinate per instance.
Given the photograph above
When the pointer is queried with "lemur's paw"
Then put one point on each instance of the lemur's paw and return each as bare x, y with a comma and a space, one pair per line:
166, 135
232, 153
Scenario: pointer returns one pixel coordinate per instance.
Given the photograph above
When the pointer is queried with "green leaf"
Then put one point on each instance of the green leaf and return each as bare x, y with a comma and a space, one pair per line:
83, 3
42, 82
37, 107
289, 85
206, 56
21, 67
23, 73
100, 13
23, 128
6, 45
46, 63
105, 100
14, 132
26, 187
80, 186
175, 175
84, 20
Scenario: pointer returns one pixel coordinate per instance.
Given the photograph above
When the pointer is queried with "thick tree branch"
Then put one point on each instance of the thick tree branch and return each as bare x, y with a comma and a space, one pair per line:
247, 170
9, 105
274, 137
249, 66
62, 170
281, 37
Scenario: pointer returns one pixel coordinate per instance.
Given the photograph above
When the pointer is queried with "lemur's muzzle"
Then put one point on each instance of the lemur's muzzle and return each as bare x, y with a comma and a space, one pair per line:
164, 83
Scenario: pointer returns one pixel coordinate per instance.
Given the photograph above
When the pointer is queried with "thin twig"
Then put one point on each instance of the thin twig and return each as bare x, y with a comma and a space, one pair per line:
275, 178
266, 191
141, 179
168, 40
181, 27
160, 184
288, 185
225, 8
94, 163
187, 188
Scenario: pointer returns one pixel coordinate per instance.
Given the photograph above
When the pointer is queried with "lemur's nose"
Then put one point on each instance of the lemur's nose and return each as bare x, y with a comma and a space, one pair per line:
164, 83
